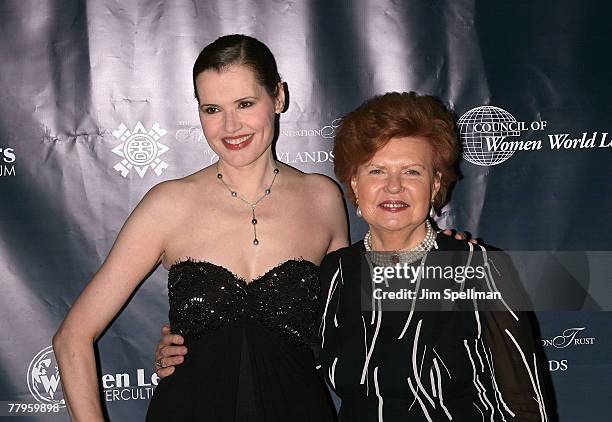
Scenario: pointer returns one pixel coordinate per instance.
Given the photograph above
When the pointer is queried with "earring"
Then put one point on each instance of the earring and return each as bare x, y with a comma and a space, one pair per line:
432, 211
358, 212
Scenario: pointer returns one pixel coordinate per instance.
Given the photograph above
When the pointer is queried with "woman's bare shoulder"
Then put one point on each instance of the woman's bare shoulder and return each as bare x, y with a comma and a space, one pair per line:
324, 188
327, 207
312, 183
177, 194
314, 188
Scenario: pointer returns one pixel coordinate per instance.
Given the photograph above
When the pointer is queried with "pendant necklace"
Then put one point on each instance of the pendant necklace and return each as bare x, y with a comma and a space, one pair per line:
235, 194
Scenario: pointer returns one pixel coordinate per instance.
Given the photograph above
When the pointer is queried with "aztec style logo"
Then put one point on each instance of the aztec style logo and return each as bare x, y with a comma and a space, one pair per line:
140, 149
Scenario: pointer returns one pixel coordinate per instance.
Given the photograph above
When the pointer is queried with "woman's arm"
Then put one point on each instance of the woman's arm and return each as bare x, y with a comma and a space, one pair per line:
512, 347
137, 250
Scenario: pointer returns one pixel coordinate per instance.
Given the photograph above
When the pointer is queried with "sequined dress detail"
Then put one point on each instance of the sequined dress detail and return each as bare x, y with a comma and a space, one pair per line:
248, 342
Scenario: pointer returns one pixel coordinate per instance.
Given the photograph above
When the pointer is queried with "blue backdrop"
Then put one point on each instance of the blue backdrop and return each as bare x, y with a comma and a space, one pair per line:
97, 108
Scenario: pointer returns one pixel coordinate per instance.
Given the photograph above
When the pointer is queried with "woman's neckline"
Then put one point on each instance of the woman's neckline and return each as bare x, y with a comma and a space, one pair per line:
193, 261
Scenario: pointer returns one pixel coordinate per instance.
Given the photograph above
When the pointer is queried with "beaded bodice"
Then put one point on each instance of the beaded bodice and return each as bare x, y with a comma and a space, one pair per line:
204, 296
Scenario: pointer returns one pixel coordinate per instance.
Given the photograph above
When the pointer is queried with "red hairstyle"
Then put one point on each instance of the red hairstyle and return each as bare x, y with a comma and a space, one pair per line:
367, 129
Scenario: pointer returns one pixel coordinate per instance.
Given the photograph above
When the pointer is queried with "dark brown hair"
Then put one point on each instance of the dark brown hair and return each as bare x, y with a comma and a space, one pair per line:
239, 49
368, 128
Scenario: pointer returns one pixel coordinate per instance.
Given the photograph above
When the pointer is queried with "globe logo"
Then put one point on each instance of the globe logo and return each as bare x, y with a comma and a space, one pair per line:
481, 129
44, 378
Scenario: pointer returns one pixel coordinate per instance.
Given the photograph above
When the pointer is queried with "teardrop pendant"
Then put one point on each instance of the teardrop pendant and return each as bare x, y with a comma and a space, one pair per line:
235, 194
254, 223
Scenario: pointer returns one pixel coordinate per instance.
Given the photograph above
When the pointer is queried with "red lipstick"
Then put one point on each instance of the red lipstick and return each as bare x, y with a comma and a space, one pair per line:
237, 142
393, 206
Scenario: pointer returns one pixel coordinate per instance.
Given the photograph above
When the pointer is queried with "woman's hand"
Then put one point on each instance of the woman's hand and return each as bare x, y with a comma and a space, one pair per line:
169, 352
460, 235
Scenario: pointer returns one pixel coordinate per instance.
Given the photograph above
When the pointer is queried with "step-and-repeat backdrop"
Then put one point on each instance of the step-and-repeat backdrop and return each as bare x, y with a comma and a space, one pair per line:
97, 107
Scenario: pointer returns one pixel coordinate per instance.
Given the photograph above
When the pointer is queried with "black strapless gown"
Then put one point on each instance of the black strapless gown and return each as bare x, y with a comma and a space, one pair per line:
249, 356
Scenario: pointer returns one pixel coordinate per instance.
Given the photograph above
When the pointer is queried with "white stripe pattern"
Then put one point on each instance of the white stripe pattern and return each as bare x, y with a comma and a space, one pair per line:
481, 414
373, 303
365, 345
537, 391
469, 260
443, 364
492, 280
535, 370
435, 394
420, 372
478, 354
332, 373
332, 288
432, 382
416, 292
380, 399
417, 377
498, 395
374, 337
482, 391
416, 396
437, 368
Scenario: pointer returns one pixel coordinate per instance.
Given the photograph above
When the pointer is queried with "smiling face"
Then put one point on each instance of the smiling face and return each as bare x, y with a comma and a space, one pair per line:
237, 114
394, 190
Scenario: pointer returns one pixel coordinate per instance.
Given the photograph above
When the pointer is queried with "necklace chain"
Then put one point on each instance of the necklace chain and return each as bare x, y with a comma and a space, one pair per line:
391, 258
252, 205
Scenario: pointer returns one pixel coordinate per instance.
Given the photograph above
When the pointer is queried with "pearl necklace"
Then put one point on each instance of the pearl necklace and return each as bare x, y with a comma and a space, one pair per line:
250, 204
391, 258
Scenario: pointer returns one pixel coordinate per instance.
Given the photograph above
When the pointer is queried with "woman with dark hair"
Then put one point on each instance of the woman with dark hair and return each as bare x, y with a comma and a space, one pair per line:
242, 244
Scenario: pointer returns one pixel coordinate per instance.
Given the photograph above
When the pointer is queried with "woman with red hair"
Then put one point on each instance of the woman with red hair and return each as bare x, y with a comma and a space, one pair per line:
424, 357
